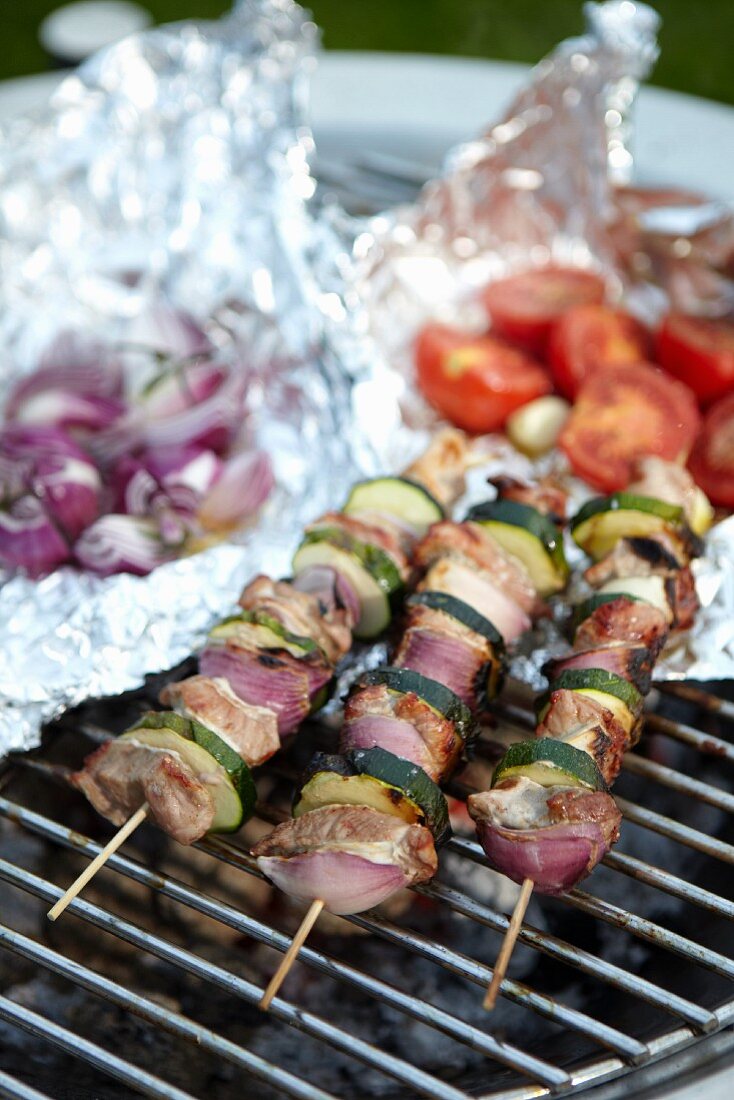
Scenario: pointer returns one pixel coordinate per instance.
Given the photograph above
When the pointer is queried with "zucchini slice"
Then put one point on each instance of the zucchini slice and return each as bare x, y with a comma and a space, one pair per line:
437, 696
370, 571
380, 780
612, 692
397, 496
264, 632
213, 761
493, 672
600, 523
530, 536
551, 763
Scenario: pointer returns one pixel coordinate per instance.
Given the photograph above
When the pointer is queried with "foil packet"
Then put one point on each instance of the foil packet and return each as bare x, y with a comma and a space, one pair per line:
176, 164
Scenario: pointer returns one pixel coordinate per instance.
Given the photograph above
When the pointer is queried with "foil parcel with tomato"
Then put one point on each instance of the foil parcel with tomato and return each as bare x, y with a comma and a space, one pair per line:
153, 234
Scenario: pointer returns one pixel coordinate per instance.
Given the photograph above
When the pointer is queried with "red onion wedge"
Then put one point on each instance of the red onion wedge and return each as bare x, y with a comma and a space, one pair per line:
330, 588
476, 589
28, 538
397, 736
244, 483
555, 857
122, 544
72, 365
631, 662
263, 680
65, 409
345, 883
440, 657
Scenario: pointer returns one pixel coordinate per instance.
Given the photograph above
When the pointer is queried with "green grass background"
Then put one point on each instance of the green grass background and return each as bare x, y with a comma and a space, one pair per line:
697, 39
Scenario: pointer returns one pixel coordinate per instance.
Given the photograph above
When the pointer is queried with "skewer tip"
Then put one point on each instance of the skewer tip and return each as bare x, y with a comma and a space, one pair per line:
99, 860
513, 931
290, 956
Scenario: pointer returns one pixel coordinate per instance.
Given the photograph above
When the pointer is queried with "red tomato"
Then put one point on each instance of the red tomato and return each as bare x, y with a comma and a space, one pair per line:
475, 382
700, 352
712, 457
587, 338
524, 307
623, 413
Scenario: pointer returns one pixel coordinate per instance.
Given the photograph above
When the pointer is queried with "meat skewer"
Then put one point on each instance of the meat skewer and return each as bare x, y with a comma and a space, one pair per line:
265, 669
549, 819
368, 821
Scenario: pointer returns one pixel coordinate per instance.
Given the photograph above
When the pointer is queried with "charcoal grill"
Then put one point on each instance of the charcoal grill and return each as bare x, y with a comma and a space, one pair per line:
608, 991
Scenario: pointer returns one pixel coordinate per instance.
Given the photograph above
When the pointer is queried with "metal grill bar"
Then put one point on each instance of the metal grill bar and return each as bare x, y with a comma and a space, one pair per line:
11, 1089
671, 884
310, 1024
481, 974
703, 699
101, 1059
653, 933
676, 781
171, 1022
558, 949
679, 731
217, 910
666, 826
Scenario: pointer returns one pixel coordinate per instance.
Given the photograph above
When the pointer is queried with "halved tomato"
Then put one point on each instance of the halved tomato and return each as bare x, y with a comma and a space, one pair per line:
623, 413
700, 352
588, 338
712, 457
524, 307
475, 382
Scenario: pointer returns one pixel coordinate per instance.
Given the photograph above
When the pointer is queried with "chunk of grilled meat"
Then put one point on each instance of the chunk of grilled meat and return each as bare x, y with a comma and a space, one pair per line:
121, 775
443, 745
588, 725
359, 830
389, 537
441, 469
545, 496
623, 620
469, 542
643, 557
300, 613
250, 730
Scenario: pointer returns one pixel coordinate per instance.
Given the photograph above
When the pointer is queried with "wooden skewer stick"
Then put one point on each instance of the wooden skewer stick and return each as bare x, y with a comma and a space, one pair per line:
290, 956
99, 860
513, 931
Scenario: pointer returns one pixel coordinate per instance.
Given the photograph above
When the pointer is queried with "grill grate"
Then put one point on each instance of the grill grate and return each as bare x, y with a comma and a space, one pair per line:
591, 1048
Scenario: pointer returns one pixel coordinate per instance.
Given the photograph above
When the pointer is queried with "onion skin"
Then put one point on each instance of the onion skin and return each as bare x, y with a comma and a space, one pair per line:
394, 734
449, 661
243, 484
344, 882
555, 857
29, 540
262, 680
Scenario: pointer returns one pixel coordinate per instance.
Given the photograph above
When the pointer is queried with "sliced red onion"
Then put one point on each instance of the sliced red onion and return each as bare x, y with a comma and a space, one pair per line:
122, 544
476, 589
441, 657
262, 680
19, 442
72, 365
71, 490
345, 883
65, 409
29, 539
244, 483
168, 331
631, 662
182, 387
555, 858
330, 588
394, 734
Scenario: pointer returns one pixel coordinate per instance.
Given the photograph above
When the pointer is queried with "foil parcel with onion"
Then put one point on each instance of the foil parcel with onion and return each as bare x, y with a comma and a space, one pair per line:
161, 208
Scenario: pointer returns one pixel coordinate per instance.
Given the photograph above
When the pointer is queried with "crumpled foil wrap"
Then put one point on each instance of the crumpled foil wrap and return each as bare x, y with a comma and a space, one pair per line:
175, 164
541, 186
